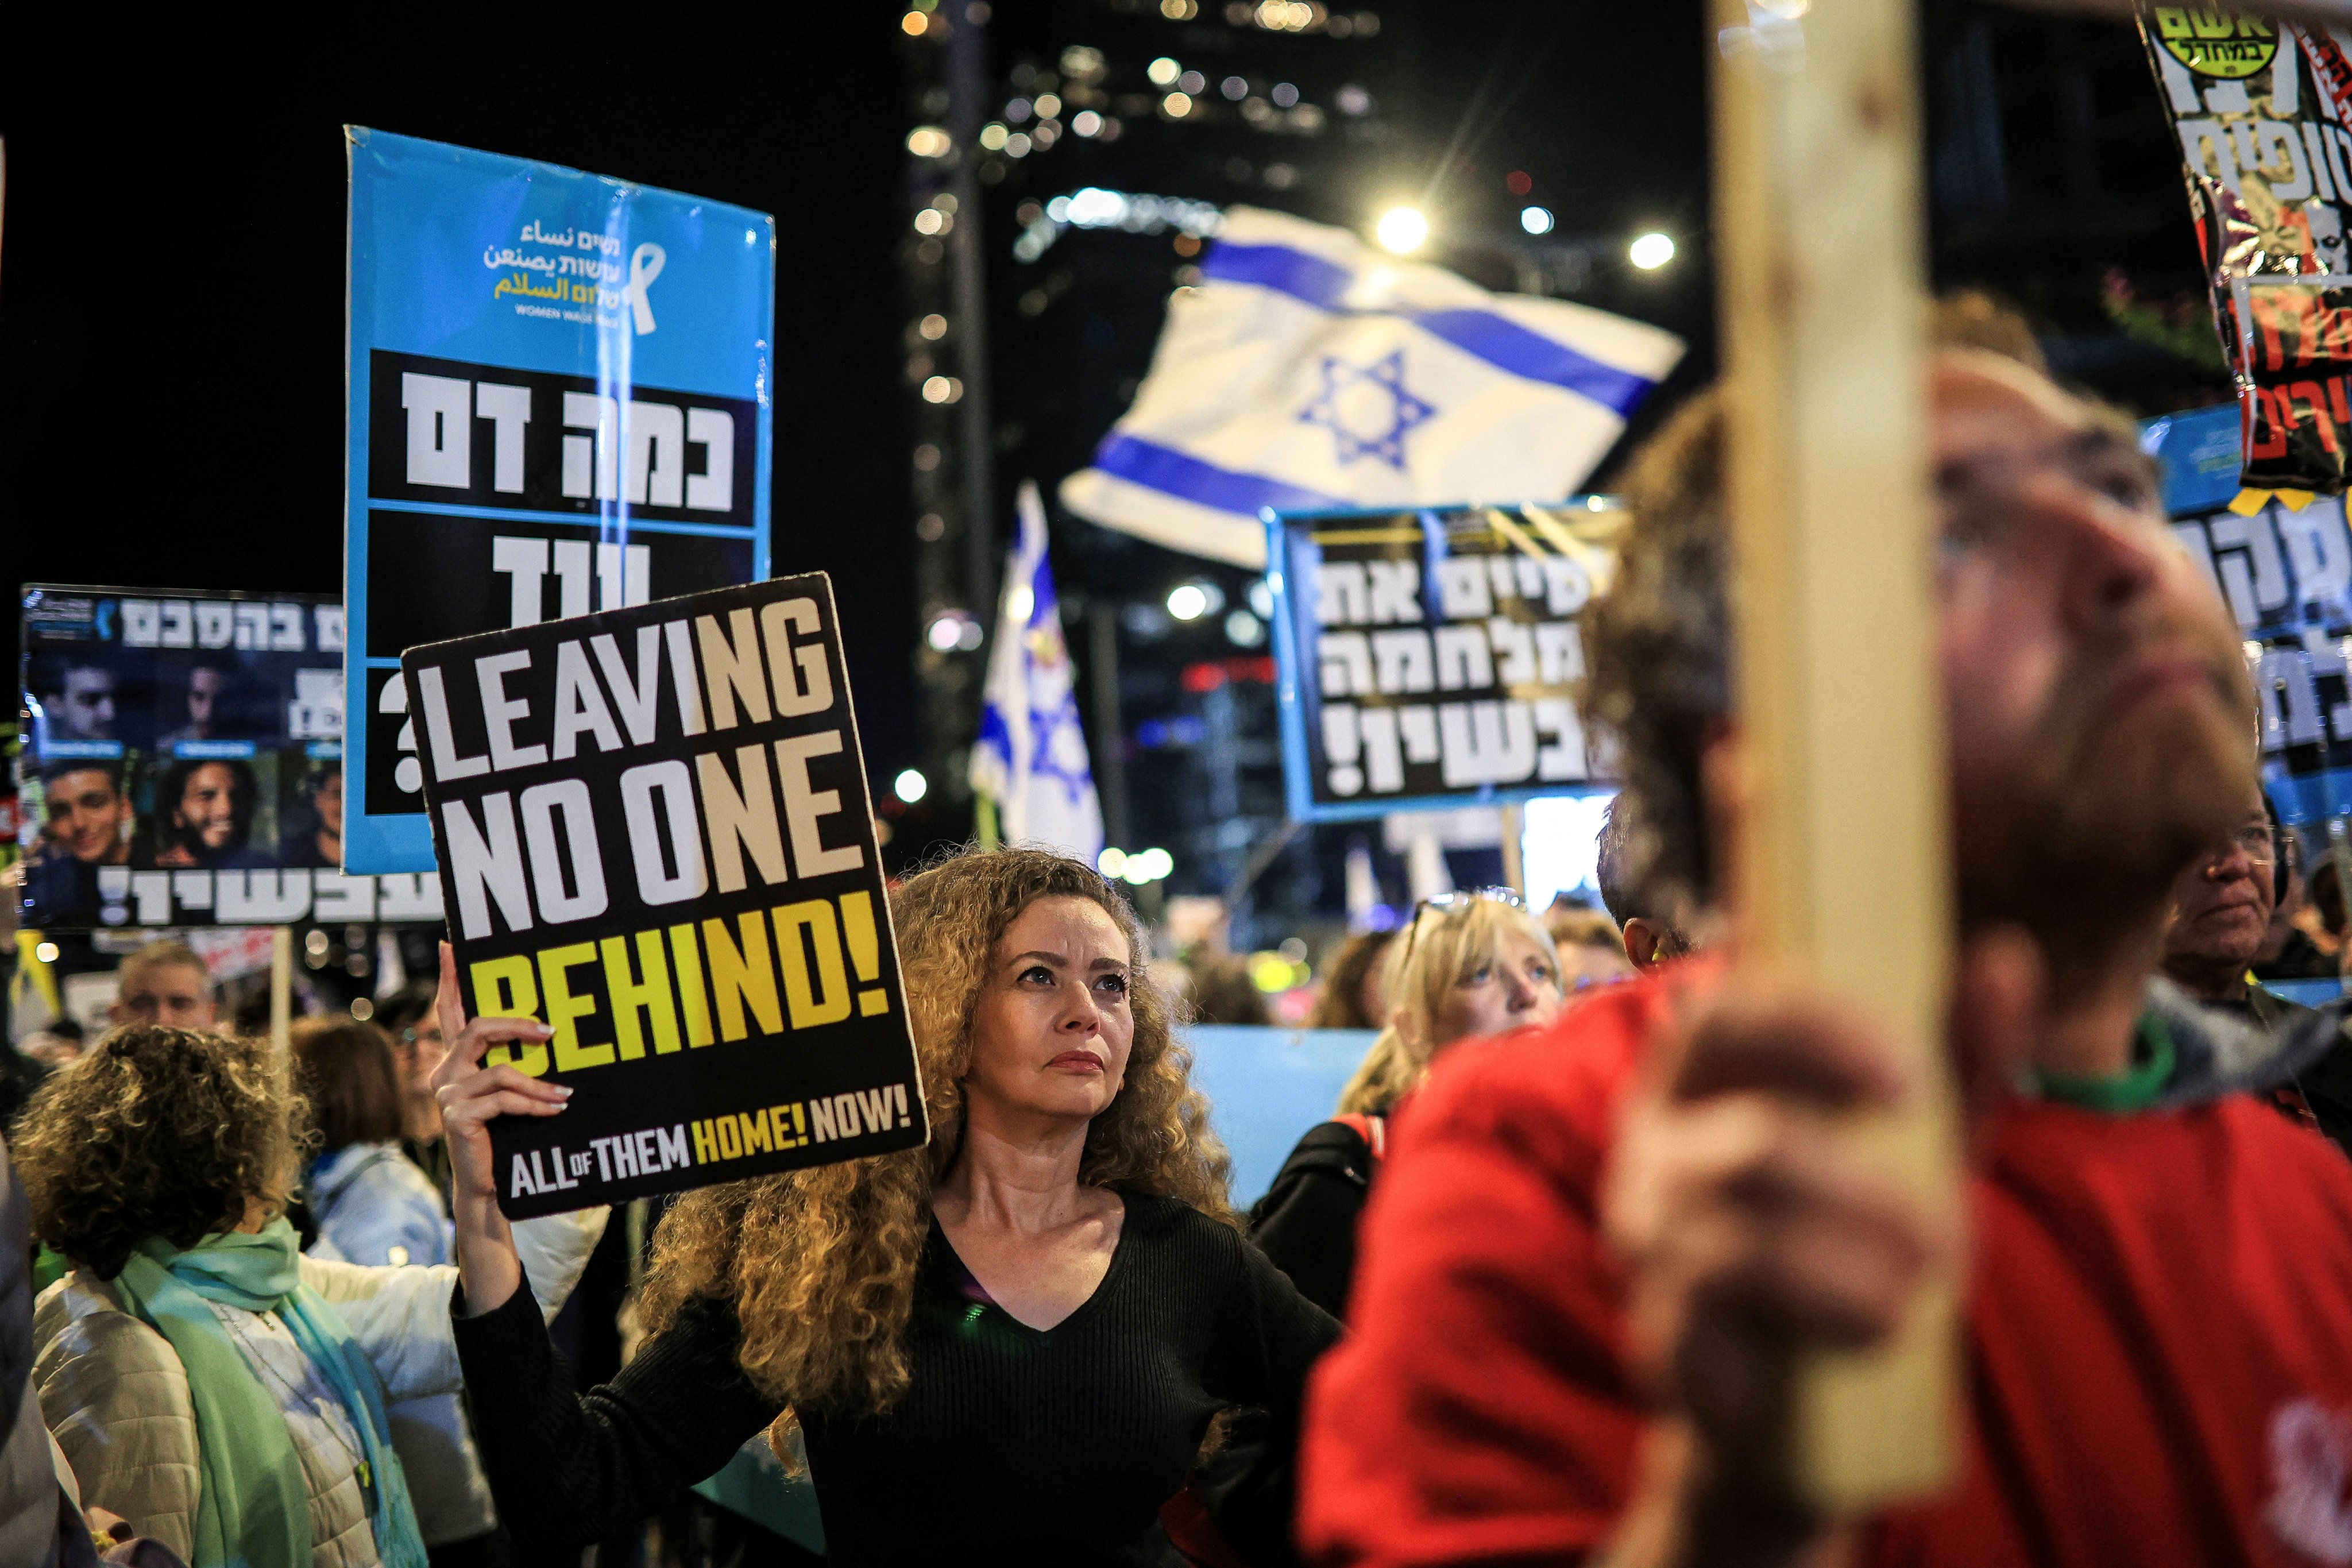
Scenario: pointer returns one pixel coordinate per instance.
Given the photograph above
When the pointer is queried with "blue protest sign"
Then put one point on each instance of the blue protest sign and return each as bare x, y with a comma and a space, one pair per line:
558, 405
1429, 656
2282, 560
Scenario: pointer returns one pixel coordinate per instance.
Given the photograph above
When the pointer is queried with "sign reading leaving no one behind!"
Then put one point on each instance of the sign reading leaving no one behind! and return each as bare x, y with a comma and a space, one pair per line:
653, 837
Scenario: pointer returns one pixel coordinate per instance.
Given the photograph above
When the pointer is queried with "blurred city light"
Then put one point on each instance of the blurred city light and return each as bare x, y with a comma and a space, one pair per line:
1245, 629
928, 142
952, 631
933, 327
1402, 230
47, 953
1049, 105
993, 136
1163, 72
1187, 601
1176, 105
1234, 88
942, 389
913, 23
1261, 599
911, 785
1111, 861
1087, 122
1651, 251
1146, 866
1536, 220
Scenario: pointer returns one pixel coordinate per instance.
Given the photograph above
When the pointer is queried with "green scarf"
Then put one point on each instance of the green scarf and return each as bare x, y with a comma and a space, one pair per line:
253, 1508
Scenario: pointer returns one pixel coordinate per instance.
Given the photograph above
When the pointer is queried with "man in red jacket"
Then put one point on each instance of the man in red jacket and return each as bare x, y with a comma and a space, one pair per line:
1594, 1257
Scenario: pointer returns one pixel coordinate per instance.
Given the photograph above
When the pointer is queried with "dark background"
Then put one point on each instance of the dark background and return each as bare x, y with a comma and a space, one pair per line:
172, 288
172, 280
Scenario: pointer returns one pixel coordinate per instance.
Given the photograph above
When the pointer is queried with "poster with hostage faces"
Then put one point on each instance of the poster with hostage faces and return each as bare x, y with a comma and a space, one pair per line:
1429, 657
2265, 117
2283, 564
182, 763
653, 837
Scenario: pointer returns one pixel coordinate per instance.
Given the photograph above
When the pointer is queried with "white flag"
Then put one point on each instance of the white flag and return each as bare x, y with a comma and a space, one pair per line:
1306, 371
1031, 757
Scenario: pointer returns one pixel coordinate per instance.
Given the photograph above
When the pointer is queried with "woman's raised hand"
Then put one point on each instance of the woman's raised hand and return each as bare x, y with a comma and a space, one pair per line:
470, 1095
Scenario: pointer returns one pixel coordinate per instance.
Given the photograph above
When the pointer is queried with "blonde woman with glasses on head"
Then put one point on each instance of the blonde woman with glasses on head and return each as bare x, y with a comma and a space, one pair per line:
1468, 965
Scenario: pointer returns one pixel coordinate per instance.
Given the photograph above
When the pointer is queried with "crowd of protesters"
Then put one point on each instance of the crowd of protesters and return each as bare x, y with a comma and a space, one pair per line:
1574, 1208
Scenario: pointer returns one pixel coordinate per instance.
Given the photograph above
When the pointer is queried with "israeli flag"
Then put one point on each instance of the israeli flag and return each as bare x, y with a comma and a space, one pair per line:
1307, 372
1031, 758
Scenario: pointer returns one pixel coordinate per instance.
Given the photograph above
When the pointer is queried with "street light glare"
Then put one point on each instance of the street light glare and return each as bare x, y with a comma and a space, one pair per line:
1536, 220
1651, 251
911, 785
1188, 602
1403, 229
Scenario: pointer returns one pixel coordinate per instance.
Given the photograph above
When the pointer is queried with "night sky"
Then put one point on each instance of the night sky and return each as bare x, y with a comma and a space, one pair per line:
172, 276
171, 283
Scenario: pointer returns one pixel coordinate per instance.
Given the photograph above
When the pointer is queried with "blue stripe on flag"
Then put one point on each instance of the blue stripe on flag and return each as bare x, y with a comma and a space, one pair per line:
1164, 468
1500, 340
1508, 345
1322, 284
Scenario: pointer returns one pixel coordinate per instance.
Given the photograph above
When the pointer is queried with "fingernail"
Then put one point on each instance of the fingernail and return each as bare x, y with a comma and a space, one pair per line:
562, 1091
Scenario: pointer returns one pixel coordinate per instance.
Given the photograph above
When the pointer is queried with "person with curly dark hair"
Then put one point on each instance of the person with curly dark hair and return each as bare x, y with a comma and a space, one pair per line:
207, 1382
205, 808
1005, 1347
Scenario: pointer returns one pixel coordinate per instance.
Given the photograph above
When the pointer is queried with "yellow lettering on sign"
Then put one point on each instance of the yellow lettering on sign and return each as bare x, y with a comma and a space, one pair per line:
827, 1001
742, 975
505, 988
565, 1010
630, 995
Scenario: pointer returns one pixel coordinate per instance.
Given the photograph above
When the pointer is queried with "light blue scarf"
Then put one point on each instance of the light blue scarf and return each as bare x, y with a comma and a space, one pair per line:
253, 1508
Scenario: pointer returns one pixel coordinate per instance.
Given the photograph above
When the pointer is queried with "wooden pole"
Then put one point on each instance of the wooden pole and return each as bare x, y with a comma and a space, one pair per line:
1515, 848
281, 989
1843, 873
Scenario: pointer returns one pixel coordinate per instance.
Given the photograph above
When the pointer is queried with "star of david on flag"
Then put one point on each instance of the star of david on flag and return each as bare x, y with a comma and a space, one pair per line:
1357, 398
1306, 371
1030, 761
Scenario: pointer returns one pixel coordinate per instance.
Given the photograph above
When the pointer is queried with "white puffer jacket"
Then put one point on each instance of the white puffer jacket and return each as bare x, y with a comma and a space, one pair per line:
116, 1398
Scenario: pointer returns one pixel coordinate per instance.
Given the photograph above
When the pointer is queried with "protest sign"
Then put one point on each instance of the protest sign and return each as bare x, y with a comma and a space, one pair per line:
2284, 565
2263, 113
558, 402
183, 763
1429, 657
654, 836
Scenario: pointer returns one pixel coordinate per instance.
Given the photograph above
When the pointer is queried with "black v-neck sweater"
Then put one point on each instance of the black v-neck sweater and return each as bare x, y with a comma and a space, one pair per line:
1045, 1446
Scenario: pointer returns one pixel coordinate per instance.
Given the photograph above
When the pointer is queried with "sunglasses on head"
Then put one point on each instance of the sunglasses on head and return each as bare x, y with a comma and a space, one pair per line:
1449, 903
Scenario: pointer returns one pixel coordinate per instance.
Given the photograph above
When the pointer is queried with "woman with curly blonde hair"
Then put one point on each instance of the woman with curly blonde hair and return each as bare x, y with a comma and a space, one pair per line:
1007, 1346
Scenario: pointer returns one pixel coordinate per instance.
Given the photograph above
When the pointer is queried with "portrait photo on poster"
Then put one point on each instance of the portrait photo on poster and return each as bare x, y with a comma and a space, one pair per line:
654, 836
182, 763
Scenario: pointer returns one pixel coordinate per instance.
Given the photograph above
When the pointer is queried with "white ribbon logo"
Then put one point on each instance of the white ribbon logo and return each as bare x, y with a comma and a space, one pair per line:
644, 266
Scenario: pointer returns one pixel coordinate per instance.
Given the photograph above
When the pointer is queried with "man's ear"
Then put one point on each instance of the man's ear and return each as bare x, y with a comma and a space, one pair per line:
1643, 938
